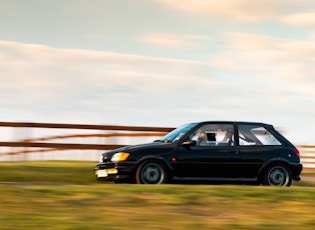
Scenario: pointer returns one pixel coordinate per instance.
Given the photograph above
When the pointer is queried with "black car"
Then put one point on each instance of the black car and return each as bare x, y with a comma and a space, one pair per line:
207, 151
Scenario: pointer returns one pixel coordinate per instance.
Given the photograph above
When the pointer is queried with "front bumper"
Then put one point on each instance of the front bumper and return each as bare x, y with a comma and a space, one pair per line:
115, 171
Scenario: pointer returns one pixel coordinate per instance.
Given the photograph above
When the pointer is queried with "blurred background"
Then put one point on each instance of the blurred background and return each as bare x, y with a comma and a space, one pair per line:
156, 63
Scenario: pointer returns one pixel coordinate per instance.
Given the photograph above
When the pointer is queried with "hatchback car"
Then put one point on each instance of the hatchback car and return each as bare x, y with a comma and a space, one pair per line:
207, 151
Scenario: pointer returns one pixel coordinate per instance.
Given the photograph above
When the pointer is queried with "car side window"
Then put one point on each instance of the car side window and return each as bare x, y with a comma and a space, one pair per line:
256, 135
214, 135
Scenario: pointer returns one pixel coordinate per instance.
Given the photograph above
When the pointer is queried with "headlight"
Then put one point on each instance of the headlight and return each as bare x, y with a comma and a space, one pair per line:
101, 158
121, 156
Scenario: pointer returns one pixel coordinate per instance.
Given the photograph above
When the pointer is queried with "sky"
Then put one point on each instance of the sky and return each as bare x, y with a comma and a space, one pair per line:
159, 62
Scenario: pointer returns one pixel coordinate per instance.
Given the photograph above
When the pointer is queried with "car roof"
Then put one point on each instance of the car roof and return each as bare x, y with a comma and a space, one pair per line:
236, 122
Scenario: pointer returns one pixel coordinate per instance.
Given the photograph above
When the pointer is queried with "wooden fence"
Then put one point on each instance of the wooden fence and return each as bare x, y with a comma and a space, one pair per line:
44, 144
307, 157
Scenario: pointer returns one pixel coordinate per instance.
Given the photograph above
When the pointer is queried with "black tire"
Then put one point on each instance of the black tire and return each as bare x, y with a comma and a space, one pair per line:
151, 172
277, 175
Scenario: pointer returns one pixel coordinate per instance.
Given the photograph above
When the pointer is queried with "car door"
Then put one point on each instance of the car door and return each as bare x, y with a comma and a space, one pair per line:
208, 152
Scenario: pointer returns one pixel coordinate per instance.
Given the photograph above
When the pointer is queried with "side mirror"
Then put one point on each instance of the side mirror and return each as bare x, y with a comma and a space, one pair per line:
189, 143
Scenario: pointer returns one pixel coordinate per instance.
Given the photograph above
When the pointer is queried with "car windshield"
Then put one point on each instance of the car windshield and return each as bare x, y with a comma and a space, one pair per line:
177, 133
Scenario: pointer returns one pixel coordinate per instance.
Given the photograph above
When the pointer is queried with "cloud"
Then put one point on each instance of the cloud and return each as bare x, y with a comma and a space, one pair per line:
299, 19
240, 82
243, 10
279, 63
271, 48
181, 41
42, 78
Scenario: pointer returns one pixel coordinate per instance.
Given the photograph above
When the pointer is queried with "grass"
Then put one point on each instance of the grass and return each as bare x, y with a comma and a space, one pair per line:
65, 195
75, 172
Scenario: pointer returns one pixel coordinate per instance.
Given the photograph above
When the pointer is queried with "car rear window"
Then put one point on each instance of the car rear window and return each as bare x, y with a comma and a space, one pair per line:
256, 135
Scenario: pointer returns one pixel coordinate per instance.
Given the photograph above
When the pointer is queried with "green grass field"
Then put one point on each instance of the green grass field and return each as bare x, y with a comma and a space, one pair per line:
65, 195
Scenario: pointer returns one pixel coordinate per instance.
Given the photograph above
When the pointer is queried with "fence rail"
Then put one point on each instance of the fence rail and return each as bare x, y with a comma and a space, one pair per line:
38, 145
47, 143
84, 126
307, 157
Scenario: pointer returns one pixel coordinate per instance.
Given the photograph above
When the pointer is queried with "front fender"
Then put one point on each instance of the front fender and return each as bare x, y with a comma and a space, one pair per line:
157, 158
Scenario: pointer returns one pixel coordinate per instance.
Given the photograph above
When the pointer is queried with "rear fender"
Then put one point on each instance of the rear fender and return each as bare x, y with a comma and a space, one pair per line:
271, 162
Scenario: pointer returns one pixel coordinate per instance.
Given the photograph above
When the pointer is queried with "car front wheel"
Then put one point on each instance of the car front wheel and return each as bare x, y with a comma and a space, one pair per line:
277, 175
151, 172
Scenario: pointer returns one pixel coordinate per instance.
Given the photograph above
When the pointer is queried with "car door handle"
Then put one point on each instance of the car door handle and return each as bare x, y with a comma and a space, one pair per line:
233, 151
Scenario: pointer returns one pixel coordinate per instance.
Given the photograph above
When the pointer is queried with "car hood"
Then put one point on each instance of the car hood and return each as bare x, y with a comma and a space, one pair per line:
133, 148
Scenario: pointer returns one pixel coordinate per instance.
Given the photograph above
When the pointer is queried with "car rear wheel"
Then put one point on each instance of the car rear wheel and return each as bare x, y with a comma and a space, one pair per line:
151, 172
277, 175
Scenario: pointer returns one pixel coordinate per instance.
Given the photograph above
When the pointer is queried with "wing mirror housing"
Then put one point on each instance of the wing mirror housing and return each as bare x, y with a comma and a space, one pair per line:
189, 143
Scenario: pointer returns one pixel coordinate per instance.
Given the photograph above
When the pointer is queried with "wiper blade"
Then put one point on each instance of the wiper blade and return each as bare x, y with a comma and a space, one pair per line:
164, 141
168, 141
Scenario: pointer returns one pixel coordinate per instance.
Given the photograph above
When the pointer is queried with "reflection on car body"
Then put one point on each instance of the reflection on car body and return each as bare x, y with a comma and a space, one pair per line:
207, 151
